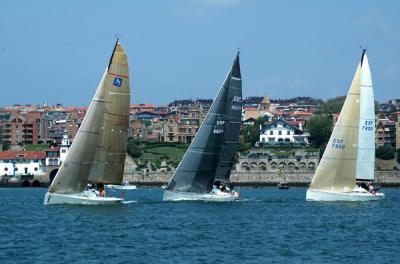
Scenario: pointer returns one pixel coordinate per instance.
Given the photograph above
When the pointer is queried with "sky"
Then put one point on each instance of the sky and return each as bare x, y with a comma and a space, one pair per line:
56, 51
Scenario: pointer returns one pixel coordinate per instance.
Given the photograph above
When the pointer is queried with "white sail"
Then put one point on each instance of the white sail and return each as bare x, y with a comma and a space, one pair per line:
366, 136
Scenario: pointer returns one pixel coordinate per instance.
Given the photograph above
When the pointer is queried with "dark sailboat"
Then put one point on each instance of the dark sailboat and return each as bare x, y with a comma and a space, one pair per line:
212, 152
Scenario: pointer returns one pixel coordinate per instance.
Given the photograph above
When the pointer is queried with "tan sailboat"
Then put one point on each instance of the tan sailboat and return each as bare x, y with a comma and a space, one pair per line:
350, 153
97, 154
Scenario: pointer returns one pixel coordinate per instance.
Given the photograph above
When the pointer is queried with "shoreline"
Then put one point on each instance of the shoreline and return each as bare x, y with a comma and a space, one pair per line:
240, 179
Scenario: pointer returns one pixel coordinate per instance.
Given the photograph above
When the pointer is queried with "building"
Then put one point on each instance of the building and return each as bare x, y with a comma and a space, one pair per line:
21, 127
266, 160
181, 129
385, 132
65, 145
53, 156
16, 163
135, 108
281, 132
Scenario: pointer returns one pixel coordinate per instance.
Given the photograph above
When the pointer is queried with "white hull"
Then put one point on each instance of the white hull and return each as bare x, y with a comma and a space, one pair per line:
79, 198
211, 197
354, 196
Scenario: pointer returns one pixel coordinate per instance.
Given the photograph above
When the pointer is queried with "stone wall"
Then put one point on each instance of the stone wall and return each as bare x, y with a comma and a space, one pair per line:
386, 178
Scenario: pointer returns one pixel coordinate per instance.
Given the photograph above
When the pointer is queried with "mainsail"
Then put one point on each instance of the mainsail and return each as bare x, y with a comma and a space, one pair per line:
212, 152
337, 168
97, 153
366, 136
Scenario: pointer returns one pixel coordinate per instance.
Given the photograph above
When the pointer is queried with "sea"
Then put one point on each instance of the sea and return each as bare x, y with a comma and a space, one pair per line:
267, 225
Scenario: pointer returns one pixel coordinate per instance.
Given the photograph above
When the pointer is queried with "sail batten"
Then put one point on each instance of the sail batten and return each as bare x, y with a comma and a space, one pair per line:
200, 165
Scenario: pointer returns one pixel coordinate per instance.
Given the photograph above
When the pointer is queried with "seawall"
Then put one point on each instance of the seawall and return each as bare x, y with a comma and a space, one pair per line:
386, 178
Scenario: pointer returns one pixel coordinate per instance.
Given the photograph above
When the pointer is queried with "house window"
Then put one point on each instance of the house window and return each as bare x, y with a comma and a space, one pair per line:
271, 132
288, 132
5, 169
263, 139
279, 132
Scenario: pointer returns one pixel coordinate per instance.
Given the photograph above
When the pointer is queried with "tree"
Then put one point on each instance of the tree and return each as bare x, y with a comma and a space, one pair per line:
385, 152
250, 134
333, 105
320, 129
134, 148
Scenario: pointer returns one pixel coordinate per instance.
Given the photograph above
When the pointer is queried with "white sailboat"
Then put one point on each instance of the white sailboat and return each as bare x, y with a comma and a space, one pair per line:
350, 153
97, 154
203, 174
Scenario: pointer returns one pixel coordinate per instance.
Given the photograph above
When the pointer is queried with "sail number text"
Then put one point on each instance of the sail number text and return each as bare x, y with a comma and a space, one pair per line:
218, 130
338, 143
368, 125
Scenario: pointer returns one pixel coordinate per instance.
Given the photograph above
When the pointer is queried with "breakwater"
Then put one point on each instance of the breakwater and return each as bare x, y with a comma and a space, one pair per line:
386, 178
251, 178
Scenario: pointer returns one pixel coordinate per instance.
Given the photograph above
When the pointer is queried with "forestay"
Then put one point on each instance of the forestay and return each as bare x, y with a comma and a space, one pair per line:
213, 149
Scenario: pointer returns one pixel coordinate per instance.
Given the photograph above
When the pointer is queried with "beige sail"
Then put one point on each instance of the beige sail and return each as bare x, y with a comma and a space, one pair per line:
337, 168
100, 143
109, 159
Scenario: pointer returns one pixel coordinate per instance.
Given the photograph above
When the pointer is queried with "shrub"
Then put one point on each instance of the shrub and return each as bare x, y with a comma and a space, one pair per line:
385, 152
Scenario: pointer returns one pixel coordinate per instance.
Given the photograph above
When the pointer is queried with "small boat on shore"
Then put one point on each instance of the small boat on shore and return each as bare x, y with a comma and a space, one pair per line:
124, 186
283, 186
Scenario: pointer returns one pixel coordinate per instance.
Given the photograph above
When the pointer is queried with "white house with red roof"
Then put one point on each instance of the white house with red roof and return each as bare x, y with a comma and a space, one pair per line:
13, 163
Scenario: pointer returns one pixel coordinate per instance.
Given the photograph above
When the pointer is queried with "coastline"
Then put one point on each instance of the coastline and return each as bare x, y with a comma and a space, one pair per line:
245, 179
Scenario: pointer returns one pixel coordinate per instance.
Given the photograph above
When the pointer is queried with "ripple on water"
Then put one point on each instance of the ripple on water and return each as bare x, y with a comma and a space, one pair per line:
266, 225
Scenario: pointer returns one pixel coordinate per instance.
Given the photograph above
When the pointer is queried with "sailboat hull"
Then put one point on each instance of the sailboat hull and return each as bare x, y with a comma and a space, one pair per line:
79, 199
327, 196
210, 197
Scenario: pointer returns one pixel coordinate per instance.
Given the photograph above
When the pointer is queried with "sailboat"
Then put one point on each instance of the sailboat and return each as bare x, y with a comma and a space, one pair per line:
211, 154
97, 154
350, 153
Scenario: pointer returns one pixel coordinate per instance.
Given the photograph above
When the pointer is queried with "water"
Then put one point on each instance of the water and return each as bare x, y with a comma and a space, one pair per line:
266, 226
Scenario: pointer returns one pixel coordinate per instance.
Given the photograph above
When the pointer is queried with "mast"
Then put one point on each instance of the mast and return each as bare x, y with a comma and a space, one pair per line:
197, 170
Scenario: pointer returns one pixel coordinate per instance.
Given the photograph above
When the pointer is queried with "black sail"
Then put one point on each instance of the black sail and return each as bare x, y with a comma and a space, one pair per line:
213, 149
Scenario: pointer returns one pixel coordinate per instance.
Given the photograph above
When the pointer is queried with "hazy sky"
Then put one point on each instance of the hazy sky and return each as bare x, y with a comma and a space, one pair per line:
56, 51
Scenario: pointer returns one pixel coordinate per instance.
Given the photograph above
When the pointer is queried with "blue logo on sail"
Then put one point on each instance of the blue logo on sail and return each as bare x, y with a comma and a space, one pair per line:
117, 82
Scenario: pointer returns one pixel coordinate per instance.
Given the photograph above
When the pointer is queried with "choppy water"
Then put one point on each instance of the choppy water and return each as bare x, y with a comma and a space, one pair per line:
266, 226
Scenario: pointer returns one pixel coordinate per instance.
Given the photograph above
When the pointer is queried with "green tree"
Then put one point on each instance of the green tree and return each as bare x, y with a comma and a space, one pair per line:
250, 134
385, 152
333, 105
134, 148
320, 129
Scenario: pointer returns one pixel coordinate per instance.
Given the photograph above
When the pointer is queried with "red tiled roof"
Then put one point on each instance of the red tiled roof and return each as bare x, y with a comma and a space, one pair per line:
22, 155
142, 106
